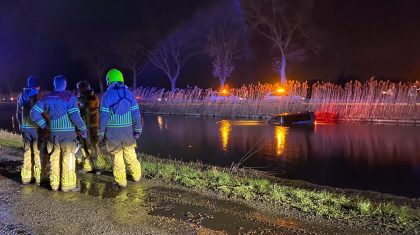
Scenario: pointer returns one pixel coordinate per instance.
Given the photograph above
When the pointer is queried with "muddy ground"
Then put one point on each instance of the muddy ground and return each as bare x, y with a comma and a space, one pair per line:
148, 207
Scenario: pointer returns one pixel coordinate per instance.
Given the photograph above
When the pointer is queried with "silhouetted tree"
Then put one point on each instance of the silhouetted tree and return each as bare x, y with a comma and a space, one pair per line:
285, 23
131, 51
222, 47
170, 56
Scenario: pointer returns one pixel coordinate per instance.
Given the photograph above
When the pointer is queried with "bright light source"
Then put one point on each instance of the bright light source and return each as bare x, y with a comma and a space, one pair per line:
224, 91
11, 98
159, 99
281, 90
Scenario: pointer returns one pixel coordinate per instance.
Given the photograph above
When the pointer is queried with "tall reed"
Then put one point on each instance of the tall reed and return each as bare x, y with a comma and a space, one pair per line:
355, 100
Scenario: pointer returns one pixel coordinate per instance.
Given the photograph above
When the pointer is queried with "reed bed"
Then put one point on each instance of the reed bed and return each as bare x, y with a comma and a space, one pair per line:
371, 100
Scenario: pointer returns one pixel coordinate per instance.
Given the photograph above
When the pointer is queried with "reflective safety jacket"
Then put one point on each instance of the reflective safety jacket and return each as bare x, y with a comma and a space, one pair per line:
119, 112
89, 109
62, 111
26, 100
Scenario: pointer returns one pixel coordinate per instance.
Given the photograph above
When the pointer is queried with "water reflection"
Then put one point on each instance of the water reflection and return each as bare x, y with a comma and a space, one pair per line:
375, 157
161, 123
383, 158
280, 133
225, 129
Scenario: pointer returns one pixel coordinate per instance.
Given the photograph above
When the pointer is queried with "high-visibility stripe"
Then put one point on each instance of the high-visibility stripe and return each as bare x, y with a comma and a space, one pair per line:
38, 109
41, 122
62, 130
103, 109
117, 120
132, 108
62, 124
70, 161
73, 110
117, 126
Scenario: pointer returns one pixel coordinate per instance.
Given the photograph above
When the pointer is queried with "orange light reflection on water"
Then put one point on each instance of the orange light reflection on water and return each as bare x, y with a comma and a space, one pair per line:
160, 123
225, 129
280, 133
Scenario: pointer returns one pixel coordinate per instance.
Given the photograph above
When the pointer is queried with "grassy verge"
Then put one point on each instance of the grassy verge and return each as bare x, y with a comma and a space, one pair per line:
331, 205
10, 139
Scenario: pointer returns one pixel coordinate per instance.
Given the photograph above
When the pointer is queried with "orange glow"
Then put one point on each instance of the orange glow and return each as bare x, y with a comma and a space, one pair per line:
224, 91
281, 90
225, 128
280, 133
160, 122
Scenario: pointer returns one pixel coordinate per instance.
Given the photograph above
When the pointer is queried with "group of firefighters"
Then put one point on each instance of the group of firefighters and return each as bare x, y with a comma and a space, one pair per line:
54, 124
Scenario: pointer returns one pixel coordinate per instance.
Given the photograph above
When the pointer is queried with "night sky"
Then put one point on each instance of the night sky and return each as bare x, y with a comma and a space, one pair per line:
362, 38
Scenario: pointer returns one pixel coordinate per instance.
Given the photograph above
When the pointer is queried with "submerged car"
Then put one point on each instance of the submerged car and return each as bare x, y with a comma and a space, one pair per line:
292, 118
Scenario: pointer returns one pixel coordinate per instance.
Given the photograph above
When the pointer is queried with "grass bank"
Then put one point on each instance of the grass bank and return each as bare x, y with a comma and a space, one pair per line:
239, 184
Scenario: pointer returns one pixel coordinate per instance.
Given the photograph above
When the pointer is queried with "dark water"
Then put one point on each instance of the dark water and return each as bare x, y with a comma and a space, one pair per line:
383, 158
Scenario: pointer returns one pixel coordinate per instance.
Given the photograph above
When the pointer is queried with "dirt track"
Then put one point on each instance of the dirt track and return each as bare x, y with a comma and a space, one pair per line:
149, 207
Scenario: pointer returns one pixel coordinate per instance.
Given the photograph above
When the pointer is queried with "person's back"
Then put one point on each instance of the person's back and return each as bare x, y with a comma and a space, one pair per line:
88, 104
61, 108
119, 102
32, 156
120, 126
26, 100
89, 109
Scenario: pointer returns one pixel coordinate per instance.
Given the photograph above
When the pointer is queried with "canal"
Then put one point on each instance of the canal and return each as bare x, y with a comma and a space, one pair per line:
384, 158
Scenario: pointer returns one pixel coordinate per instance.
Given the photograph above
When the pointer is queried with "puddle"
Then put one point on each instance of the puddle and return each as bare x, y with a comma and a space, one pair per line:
205, 211
151, 198
200, 215
98, 188
210, 213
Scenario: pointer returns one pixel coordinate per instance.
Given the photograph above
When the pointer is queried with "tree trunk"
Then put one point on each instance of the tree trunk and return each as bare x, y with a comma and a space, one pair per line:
222, 82
283, 68
173, 87
134, 80
101, 85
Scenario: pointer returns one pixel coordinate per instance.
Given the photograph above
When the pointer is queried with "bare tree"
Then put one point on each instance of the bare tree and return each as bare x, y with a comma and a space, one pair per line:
170, 56
97, 63
284, 23
133, 56
222, 48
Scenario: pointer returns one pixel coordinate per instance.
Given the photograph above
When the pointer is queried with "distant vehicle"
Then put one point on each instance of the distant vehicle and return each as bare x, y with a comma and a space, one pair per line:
292, 118
223, 95
7, 99
282, 95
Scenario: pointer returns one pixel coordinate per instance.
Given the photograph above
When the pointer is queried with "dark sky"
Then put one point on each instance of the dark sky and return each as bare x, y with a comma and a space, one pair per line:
363, 38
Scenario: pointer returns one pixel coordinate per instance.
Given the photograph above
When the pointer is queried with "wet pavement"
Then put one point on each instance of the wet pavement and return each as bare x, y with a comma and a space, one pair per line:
148, 207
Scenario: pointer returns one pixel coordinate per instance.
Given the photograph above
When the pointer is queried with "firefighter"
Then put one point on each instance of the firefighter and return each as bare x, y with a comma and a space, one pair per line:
61, 108
89, 111
120, 126
30, 132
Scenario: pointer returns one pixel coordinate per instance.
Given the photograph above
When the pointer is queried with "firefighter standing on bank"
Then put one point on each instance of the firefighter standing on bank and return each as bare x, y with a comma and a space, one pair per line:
89, 111
30, 132
120, 126
61, 108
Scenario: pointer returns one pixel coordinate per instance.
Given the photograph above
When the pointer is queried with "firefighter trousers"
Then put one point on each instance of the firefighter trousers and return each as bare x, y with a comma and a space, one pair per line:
62, 148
